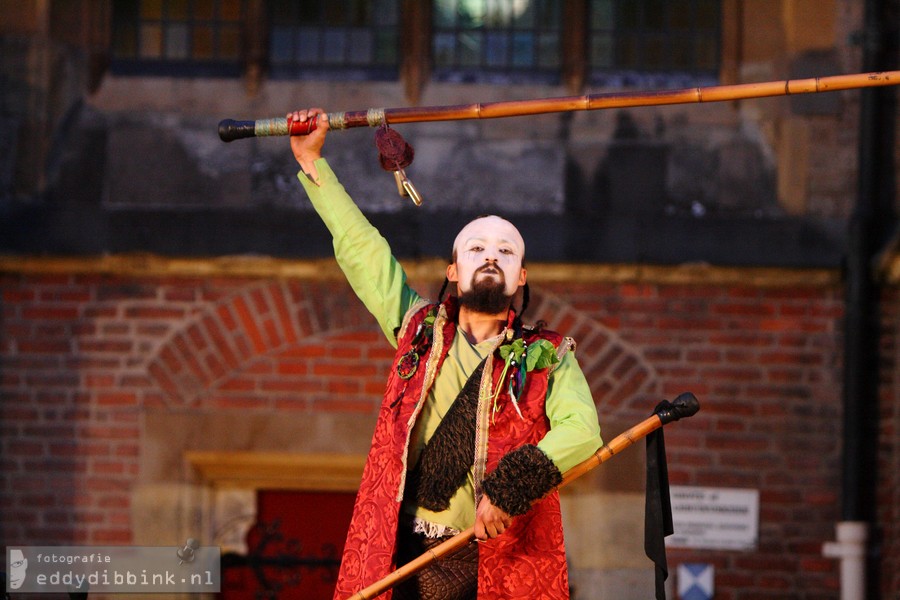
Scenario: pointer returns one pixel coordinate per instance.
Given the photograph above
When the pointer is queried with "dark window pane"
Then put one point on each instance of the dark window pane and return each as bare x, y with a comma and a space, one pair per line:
335, 46
204, 9
444, 14
444, 49
654, 13
177, 41
176, 10
361, 47
602, 51
549, 15
125, 41
282, 13
708, 14
525, 19
385, 13
654, 52
230, 10
177, 37
655, 36
230, 42
385, 48
309, 43
334, 13
628, 15
310, 11
497, 47
707, 53
523, 50
548, 51
334, 38
204, 43
626, 51
151, 41
281, 46
682, 54
470, 49
681, 17
518, 37
151, 10
601, 15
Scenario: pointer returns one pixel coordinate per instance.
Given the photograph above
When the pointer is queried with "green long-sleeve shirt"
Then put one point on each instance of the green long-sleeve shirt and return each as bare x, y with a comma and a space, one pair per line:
380, 282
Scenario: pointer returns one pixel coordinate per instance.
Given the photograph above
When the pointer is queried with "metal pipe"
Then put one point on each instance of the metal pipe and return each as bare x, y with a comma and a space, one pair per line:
875, 191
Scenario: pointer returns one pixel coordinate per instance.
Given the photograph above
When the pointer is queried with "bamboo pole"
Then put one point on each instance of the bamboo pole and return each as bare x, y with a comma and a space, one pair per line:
230, 129
684, 405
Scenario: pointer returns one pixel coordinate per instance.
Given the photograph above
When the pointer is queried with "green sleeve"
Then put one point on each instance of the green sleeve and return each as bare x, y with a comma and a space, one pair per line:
574, 427
361, 251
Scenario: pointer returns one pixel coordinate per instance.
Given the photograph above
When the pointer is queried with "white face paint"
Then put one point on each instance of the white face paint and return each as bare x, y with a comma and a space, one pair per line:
486, 248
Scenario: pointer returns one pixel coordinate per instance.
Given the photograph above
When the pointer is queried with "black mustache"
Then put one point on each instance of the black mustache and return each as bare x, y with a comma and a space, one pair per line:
488, 267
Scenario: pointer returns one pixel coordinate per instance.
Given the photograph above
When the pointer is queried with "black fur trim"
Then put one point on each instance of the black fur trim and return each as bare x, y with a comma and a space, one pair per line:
447, 458
523, 476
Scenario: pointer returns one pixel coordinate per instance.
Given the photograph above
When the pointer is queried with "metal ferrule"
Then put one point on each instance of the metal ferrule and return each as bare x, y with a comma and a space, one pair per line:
337, 120
265, 127
375, 117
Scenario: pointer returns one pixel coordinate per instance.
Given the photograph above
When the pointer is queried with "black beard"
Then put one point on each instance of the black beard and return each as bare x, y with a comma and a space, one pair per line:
487, 296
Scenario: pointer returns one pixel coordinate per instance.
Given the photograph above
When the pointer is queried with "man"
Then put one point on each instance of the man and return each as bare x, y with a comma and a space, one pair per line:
18, 565
480, 417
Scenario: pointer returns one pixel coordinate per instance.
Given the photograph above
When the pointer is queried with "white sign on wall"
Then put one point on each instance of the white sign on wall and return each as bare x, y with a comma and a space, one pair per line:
714, 518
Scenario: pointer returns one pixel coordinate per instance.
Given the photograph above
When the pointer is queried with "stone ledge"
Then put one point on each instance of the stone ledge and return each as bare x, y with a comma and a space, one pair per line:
276, 470
149, 265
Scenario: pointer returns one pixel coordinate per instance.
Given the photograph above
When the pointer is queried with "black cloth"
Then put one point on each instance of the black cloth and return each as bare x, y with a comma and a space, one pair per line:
657, 507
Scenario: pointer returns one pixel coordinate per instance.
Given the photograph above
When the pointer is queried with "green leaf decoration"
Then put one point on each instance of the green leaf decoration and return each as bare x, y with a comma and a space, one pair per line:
540, 355
514, 350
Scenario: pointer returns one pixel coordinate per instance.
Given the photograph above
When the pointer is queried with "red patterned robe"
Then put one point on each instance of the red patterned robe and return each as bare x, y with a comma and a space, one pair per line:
528, 560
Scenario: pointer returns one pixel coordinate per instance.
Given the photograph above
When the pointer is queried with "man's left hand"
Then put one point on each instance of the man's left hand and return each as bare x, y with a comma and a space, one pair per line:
490, 521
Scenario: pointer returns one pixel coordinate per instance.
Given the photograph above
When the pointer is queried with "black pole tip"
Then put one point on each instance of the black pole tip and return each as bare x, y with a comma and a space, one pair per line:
685, 405
230, 130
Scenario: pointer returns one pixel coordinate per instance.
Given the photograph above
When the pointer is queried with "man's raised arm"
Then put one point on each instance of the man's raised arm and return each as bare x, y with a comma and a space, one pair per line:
362, 253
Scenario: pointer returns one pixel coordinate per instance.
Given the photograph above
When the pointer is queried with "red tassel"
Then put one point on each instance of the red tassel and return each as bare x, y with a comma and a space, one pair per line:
394, 153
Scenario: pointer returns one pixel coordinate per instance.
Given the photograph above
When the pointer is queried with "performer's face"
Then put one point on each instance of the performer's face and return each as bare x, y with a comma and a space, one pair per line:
488, 252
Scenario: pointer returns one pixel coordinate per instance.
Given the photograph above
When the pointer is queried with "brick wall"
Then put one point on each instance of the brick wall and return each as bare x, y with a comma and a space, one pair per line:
85, 357
765, 365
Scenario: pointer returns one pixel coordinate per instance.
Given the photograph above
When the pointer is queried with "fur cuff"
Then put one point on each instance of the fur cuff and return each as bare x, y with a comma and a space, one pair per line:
523, 476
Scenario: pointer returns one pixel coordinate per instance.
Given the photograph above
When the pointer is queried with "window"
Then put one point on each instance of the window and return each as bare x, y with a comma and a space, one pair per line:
474, 40
673, 37
177, 37
355, 39
611, 42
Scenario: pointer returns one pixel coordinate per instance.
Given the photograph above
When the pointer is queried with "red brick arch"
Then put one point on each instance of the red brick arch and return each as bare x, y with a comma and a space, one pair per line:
287, 345
619, 375
251, 334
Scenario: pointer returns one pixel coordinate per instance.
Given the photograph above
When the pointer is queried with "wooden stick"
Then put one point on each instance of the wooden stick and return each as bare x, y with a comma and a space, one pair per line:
684, 405
231, 130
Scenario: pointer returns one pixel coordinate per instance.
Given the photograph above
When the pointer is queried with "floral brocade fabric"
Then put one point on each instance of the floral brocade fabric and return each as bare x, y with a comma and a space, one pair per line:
526, 562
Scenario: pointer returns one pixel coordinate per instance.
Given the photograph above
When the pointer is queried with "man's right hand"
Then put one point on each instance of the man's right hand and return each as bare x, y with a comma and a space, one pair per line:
308, 148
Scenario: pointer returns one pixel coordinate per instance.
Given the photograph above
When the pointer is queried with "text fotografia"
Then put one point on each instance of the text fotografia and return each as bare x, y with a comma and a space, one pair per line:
74, 558
188, 568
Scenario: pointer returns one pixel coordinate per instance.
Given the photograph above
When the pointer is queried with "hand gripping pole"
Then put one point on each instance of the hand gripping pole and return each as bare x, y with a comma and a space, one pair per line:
685, 405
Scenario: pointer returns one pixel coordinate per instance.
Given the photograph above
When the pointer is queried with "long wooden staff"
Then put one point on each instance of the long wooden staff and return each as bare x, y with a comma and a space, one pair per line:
230, 129
684, 405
